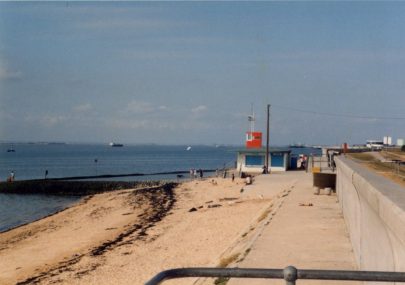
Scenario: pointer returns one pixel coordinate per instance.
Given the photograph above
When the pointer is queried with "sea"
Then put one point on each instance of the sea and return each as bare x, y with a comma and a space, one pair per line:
57, 160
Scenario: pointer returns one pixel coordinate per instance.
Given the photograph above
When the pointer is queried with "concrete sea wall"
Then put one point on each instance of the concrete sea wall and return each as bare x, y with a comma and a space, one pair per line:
374, 211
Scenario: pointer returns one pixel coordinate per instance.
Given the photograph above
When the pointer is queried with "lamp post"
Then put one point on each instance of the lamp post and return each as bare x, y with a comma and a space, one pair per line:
267, 170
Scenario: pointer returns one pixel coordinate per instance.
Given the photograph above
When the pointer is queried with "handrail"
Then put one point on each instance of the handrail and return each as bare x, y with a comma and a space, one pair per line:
290, 274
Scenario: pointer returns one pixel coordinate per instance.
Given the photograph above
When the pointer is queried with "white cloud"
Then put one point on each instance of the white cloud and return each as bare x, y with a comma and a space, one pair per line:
120, 23
46, 120
126, 124
146, 124
142, 107
5, 116
51, 120
155, 55
83, 108
6, 74
139, 107
199, 109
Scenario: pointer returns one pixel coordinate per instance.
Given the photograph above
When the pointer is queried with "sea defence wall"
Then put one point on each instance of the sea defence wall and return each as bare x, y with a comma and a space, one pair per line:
374, 212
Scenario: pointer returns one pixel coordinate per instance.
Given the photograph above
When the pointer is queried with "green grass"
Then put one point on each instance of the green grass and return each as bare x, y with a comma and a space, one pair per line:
363, 156
224, 262
221, 280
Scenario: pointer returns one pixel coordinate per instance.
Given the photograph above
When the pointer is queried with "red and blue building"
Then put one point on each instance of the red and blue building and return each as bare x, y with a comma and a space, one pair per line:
252, 158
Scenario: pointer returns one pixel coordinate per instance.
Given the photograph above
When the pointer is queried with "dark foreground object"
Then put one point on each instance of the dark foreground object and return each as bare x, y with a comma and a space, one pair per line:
323, 180
79, 188
290, 274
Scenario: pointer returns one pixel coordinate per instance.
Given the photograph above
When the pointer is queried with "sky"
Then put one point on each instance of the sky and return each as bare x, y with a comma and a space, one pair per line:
189, 72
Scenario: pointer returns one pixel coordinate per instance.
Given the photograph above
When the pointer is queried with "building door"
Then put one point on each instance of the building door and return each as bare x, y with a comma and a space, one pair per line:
277, 160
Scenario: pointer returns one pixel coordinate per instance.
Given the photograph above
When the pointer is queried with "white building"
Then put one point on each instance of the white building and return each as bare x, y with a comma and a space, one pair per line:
387, 140
252, 160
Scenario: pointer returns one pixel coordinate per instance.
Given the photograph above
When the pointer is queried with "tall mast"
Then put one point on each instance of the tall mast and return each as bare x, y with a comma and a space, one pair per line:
251, 119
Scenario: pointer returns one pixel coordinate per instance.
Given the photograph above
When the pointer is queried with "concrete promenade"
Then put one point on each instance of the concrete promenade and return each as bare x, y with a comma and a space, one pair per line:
308, 237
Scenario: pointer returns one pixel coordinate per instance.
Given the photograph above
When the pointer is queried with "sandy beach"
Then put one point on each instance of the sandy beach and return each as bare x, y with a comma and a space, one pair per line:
128, 236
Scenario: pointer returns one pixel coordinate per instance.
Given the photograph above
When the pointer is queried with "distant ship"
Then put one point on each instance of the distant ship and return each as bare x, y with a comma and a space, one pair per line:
297, 145
113, 144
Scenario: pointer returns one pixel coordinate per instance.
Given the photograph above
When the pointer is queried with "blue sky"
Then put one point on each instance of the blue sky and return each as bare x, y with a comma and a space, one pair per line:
188, 72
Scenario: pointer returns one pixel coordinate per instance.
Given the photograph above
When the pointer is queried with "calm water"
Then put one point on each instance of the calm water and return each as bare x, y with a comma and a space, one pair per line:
30, 161
16, 209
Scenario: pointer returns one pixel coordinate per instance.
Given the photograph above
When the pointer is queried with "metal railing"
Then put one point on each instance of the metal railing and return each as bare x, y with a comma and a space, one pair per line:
324, 163
290, 274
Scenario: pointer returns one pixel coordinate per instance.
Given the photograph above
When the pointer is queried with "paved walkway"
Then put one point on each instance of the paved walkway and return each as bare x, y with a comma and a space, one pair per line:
308, 237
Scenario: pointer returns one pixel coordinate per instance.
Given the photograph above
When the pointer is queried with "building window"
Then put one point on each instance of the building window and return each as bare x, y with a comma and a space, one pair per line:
254, 160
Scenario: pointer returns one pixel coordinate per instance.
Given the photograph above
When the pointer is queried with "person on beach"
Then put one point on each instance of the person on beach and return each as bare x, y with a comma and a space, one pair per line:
304, 162
195, 173
201, 173
191, 173
233, 177
12, 176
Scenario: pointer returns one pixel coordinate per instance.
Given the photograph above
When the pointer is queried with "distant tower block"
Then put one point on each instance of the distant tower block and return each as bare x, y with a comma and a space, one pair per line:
387, 140
253, 139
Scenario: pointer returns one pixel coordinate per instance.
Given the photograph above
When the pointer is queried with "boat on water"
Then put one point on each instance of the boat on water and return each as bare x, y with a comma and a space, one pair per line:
113, 144
11, 149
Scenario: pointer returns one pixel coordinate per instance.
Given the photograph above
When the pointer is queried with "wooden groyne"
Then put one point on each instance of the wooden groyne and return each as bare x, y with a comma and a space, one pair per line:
181, 172
73, 186
70, 188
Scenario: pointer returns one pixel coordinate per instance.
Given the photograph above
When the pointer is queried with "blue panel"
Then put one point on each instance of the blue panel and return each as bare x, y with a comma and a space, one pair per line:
277, 159
254, 160
293, 162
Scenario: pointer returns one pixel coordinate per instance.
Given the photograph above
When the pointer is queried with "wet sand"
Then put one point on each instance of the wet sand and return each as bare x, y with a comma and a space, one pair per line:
127, 236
